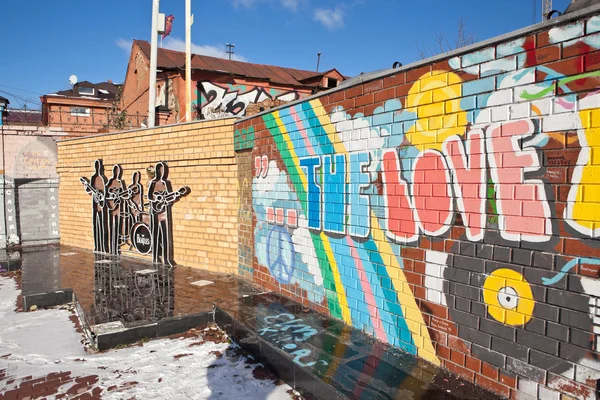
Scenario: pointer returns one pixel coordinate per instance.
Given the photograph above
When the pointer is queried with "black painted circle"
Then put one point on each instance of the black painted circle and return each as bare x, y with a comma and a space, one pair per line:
141, 238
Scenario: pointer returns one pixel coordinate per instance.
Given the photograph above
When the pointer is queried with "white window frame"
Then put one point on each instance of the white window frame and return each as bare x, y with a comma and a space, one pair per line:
86, 94
78, 111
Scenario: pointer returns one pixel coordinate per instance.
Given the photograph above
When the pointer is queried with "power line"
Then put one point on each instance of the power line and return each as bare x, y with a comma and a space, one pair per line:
20, 98
21, 90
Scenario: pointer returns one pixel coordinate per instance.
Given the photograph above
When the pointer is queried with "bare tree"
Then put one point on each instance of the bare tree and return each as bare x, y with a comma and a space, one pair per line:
442, 45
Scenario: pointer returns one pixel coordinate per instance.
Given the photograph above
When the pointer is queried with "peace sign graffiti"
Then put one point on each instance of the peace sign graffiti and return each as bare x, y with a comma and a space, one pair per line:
281, 255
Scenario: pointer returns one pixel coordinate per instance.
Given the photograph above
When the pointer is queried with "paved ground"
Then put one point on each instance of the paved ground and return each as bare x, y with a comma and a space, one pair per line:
42, 356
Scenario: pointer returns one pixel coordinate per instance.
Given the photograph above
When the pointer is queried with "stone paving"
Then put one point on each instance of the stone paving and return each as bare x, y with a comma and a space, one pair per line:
42, 356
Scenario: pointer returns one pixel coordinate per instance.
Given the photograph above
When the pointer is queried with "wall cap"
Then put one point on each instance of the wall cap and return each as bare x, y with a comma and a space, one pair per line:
541, 26
177, 124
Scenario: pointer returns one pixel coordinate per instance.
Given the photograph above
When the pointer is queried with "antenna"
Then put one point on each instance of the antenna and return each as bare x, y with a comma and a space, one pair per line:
546, 8
230, 49
73, 80
318, 60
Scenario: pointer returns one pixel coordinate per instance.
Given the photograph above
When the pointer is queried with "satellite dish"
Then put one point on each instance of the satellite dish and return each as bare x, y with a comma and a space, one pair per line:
73, 79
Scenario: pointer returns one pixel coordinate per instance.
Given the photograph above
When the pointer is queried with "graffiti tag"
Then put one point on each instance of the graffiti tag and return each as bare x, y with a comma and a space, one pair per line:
36, 160
286, 331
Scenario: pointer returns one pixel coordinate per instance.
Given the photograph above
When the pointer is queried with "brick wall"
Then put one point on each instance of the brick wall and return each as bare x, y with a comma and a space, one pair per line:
245, 233
199, 155
451, 209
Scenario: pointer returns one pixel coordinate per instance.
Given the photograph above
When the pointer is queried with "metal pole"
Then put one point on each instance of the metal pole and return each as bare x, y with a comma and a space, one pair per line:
318, 60
189, 20
153, 59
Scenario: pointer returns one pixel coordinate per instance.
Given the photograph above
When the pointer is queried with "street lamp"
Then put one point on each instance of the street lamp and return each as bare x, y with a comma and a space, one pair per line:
3, 105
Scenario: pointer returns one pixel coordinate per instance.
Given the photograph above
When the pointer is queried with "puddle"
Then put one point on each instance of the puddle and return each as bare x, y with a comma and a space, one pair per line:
126, 290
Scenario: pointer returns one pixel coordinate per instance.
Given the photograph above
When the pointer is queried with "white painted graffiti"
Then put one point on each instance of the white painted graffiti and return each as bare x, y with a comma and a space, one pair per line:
286, 331
219, 101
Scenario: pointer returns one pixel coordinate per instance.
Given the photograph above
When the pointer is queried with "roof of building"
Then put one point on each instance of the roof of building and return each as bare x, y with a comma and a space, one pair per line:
25, 117
576, 5
5, 99
100, 91
170, 59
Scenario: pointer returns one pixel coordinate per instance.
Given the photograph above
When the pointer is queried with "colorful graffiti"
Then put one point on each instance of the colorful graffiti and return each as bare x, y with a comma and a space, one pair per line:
232, 100
473, 188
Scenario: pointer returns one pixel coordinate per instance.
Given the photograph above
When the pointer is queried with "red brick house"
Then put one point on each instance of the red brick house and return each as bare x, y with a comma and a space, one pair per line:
85, 109
220, 87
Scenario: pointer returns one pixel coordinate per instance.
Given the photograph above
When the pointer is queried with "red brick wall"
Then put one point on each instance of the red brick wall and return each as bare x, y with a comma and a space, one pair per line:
451, 209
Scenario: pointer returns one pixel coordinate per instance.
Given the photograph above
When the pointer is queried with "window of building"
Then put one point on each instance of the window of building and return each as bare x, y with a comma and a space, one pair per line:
86, 90
80, 111
331, 83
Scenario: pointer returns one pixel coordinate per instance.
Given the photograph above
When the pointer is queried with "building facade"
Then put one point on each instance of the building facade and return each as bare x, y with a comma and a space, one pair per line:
220, 88
87, 109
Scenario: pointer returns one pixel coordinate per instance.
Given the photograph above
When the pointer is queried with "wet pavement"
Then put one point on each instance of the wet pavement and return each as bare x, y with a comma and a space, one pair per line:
319, 356
132, 291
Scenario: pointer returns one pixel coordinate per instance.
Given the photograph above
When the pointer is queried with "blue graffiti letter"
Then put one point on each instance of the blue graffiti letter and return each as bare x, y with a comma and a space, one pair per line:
334, 194
310, 166
360, 204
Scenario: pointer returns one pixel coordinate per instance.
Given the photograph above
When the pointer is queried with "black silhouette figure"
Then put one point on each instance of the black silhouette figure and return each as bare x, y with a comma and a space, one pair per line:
133, 207
116, 197
95, 187
161, 197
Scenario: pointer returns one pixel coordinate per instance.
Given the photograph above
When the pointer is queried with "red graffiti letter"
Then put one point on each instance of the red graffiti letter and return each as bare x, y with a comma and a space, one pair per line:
469, 180
402, 226
432, 196
524, 213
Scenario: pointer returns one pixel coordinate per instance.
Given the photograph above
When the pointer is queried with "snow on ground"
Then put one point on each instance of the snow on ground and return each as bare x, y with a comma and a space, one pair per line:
45, 341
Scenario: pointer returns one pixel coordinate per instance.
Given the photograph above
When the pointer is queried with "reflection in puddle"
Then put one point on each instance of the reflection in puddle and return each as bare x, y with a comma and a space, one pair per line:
130, 296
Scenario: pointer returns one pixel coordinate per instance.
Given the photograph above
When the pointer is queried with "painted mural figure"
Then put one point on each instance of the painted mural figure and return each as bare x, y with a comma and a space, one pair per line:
116, 196
161, 197
95, 187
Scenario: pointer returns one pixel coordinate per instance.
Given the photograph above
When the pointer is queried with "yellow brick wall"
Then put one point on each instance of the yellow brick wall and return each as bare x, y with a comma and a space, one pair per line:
199, 155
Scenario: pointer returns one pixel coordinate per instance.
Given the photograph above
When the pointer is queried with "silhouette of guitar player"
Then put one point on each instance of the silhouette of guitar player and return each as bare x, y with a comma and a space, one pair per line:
116, 196
95, 187
160, 198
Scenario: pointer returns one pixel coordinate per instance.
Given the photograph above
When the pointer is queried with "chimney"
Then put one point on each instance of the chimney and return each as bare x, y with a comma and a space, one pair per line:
109, 81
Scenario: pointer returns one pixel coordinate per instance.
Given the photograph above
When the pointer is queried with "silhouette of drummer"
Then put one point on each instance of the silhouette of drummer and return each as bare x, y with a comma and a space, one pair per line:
116, 197
136, 194
133, 206
161, 197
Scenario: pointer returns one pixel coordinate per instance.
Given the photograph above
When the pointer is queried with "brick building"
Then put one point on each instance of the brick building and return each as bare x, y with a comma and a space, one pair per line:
221, 88
86, 109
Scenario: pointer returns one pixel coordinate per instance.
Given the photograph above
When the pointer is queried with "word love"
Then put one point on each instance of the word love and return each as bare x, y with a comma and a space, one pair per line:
425, 203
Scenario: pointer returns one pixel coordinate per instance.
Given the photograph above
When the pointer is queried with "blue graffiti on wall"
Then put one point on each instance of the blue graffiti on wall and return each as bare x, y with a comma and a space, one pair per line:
281, 255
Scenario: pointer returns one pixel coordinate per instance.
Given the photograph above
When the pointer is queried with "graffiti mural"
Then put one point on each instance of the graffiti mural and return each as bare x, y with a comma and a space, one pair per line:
118, 215
226, 100
460, 209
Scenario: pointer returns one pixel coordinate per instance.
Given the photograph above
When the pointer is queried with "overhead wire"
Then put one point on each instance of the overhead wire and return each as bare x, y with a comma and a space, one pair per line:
21, 90
20, 97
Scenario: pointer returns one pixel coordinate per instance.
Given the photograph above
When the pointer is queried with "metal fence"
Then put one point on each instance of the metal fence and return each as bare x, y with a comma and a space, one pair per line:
88, 119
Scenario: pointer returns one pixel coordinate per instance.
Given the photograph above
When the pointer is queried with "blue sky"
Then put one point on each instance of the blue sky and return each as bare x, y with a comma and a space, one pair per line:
44, 42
